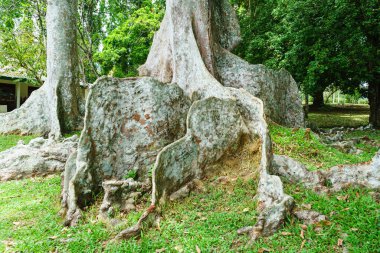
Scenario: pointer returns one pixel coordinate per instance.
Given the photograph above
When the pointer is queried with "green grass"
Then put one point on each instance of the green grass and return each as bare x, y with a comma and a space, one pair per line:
337, 116
29, 220
317, 155
8, 141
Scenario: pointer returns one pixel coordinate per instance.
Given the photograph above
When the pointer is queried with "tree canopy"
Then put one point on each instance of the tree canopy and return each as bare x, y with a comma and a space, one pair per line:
322, 43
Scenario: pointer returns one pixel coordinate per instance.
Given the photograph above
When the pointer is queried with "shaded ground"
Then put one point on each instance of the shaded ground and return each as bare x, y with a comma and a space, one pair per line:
208, 219
340, 115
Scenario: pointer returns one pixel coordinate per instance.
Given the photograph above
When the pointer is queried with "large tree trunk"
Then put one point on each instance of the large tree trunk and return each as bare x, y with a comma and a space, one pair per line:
55, 107
374, 102
130, 122
318, 100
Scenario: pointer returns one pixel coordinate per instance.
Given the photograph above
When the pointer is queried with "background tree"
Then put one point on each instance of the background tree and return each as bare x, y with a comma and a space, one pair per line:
127, 46
56, 106
322, 43
23, 38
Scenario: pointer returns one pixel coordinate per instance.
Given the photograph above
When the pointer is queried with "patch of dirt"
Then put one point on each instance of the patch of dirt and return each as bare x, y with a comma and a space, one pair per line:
242, 163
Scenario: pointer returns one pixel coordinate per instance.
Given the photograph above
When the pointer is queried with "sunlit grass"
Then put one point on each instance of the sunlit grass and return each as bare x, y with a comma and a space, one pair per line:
8, 141
207, 219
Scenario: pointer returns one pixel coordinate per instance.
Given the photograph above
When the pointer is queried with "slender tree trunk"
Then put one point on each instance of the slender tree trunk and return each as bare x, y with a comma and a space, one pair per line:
55, 107
63, 64
374, 102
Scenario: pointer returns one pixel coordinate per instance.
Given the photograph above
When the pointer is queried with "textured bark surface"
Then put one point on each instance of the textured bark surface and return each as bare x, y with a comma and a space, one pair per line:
122, 195
277, 89
190, 49
127, 123
34, 116
40, 157
214, 126
55, 107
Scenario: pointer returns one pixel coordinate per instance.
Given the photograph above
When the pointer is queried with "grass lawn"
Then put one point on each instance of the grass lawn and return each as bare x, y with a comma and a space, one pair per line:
339, 115
8, 141
208, 219
317, 155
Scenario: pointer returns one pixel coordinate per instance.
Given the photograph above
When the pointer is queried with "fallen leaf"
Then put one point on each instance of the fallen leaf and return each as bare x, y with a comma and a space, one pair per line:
307, 206
53, 237
345, 197
245, 210
325, 223
198, 249
286, 233
67, 240
340, 242
303, 226
354, 229
160, 250
16, 223
9, 243
263, 250
295, 129
302, 234
178, 248
302, 244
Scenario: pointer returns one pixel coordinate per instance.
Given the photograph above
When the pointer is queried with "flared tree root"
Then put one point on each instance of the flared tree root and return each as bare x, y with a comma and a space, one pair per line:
41, 157
214, 126
136, 125
57, 106
334, 179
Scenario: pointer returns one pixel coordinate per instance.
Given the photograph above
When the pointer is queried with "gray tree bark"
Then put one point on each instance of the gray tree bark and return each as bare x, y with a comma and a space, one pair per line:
55, 107
191, 49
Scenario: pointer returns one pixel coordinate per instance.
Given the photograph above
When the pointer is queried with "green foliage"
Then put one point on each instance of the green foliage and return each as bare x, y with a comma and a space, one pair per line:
127, 47
22, 38
131, 174
322, 43
101, 24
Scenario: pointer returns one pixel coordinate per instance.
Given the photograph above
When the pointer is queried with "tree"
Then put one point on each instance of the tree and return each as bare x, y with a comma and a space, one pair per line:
322, 43
185, 127
23, 38
55, 107
127, 47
